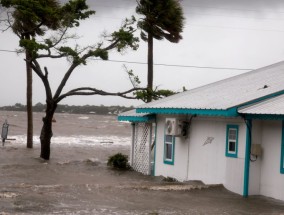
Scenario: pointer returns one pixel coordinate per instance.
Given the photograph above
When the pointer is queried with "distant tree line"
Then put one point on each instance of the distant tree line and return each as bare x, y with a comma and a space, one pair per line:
72, 109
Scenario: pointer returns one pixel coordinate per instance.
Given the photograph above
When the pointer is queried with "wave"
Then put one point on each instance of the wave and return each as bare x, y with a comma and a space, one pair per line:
79, 140
83, 117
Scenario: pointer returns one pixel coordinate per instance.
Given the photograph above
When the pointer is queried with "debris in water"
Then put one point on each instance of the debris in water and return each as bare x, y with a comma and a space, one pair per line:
92, 161
8, 195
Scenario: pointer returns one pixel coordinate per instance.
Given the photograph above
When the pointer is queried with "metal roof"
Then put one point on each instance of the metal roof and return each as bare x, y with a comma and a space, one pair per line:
132, 116
273, 106
132, 113
227, 93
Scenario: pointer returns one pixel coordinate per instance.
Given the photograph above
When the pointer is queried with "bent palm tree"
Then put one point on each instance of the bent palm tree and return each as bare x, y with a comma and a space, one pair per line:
162, 19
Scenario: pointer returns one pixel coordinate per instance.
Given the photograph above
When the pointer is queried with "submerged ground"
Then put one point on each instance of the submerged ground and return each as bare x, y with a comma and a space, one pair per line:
77, 181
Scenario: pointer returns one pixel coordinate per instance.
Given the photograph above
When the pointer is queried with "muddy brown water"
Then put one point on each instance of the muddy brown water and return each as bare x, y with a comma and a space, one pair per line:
77, 180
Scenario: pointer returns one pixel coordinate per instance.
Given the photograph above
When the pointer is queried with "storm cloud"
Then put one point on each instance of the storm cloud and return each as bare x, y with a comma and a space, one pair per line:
218, 34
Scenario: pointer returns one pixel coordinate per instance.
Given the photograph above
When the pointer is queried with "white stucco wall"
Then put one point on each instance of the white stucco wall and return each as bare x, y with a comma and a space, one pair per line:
234, 180
208, 163
255, 166
272, 181
179, 169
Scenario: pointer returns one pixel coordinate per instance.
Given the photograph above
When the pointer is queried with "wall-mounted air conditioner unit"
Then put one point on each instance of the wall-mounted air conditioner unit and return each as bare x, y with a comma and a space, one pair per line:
173, 126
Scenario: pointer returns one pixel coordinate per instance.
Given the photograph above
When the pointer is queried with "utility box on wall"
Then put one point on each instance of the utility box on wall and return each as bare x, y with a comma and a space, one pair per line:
256, 150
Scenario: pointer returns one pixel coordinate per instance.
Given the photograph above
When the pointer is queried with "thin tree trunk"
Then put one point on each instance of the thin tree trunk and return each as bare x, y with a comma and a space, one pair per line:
150, 68
29, 100
46, 131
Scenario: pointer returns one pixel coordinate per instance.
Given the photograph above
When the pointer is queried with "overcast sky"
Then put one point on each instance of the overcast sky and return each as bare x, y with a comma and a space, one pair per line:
218, 33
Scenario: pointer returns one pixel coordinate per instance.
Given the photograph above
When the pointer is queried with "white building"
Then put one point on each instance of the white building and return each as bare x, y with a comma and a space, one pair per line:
230, 132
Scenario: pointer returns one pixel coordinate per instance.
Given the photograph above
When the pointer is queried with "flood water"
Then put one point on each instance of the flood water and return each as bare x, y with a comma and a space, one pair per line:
71, 129
77, 180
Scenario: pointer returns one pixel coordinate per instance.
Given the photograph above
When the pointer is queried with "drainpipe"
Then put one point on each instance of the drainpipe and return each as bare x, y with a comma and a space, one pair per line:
188, 137
247, 157
150, 149
132, 143
155, 145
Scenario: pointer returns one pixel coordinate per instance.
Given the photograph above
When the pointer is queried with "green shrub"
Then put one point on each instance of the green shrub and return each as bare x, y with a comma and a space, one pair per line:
118, 161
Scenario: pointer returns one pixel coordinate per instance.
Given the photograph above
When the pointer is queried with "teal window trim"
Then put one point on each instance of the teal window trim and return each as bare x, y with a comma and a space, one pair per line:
233, 154
282, 151
172, 143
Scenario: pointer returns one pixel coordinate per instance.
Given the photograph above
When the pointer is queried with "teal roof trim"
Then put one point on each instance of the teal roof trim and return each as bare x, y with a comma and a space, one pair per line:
255, 101
232, 112
264, 116
137, 118
260, 99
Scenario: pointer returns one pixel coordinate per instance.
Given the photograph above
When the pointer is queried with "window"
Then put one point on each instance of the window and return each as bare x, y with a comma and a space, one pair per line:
232, 141
169, 149
282, 151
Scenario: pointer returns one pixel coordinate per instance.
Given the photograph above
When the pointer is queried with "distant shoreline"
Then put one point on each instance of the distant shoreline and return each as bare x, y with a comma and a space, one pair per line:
72, 109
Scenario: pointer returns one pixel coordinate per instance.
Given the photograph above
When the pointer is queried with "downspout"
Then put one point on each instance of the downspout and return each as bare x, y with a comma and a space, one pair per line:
188, 137
247, 157
150, 149
132, 143
155, 145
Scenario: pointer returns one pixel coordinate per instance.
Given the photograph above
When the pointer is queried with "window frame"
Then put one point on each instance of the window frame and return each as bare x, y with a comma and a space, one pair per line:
282, 151
231, 154
172, 143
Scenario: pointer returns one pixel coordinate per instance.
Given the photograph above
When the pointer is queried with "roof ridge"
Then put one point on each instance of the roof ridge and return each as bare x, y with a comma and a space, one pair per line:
240, 75
261, 102
191, 91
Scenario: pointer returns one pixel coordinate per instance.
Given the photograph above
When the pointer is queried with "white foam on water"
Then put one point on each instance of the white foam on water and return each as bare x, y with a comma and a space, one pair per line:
83, 117
124, 122
79, 140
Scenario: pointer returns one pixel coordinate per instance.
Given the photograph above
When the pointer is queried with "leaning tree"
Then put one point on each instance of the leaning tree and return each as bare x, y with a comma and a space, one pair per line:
161, 19
54, 47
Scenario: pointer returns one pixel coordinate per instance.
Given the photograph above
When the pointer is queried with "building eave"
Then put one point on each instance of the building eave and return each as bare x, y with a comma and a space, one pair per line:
264, 116
231, 112
147, 118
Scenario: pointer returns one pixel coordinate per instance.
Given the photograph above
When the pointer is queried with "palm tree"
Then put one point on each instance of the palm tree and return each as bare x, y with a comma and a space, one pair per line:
161, 19
30, 18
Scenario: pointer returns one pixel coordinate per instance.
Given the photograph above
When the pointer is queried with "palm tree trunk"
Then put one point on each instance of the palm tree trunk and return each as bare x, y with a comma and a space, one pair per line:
150, 68
29, 100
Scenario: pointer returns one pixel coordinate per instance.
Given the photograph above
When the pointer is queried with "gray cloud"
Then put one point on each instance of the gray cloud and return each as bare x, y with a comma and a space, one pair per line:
220, 33
233, 4
111, 4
